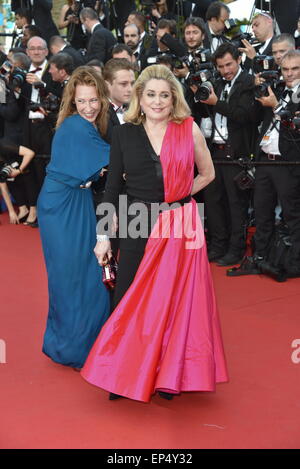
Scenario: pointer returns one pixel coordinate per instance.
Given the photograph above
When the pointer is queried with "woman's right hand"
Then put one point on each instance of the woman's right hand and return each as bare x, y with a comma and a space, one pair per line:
103, 252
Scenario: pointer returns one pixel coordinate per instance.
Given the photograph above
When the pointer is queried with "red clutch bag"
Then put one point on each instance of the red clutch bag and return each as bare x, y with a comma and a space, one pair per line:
109, 273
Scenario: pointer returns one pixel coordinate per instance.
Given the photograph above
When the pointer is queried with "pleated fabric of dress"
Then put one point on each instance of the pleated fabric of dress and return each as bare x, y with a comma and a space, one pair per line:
78, 300
165, 332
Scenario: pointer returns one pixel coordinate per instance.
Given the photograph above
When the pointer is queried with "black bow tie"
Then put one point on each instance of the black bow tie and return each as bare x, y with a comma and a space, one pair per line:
287, 93
217, 36
38, 69
227, 82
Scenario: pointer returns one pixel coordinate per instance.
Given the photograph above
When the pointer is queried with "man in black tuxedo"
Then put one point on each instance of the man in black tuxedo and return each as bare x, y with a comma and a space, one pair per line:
61, 67
101, 40
233, 133
58, 44
263, 29
39, 125
40, 11
216, 15
279, 142
119, 76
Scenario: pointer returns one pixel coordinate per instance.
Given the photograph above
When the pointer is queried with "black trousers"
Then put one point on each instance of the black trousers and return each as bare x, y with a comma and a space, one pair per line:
17, 190
38, 139
226, 207
273, 183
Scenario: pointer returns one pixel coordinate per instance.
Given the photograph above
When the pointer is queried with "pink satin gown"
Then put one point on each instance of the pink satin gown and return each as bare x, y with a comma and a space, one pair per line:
164, 335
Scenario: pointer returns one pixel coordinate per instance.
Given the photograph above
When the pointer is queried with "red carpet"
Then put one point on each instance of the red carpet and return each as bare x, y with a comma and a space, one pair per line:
44, 405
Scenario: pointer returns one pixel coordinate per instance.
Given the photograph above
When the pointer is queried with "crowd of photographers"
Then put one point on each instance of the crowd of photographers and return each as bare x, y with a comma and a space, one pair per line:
243, 91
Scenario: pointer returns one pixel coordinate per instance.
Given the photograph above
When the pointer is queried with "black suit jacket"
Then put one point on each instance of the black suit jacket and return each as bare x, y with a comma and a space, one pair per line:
41, 13
239, 108
289, 140
100, 44
50, 120
208, 38
199, 10
75, 54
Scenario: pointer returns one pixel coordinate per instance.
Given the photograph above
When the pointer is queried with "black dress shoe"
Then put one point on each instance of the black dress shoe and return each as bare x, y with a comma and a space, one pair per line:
166, 395
213, 255
230, 259
114, 397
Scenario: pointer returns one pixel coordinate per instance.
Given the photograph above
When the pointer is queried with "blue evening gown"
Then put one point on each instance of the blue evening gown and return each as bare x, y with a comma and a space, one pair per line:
78, 300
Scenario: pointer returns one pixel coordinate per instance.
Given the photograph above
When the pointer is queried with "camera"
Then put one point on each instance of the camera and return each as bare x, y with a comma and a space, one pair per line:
264, 63
288, 118
272, 79
237, 39
203, 78
14, 77
49, 103
6, 170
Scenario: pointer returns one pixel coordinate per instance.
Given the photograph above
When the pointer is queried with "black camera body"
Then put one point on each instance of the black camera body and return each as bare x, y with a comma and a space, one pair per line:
272, 79
49, 103
264, 63
203, 78
237, 39
5, 171
14, 77
288, 119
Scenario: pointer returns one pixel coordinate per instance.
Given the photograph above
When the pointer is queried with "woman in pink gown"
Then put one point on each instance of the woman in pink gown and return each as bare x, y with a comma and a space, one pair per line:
164, 334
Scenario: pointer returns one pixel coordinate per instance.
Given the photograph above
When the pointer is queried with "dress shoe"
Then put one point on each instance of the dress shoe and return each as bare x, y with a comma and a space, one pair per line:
166, 395
33, 224
214, 255
114, 397
248, 266
230, 259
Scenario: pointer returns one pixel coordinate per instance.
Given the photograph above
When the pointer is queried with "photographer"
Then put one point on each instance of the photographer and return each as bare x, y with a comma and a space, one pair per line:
263, 29
233, 134
39, 122
163, 27
216, 15
61, 67
40, 11
279, 140
193, 34
22, 19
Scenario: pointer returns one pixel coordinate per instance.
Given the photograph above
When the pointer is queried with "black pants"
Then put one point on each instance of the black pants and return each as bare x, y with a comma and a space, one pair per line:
226, 208
273, 183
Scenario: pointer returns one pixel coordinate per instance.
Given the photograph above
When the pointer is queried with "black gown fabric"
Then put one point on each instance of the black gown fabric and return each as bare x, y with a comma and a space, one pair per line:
144, 182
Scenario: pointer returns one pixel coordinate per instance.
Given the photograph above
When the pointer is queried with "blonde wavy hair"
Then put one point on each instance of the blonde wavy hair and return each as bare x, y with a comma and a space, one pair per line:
85, 75
180, 110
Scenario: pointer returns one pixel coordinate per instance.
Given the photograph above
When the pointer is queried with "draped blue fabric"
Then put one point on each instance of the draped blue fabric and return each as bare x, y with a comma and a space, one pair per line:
78, 300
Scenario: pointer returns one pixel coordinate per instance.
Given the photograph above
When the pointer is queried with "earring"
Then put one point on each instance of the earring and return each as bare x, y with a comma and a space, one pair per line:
142, 112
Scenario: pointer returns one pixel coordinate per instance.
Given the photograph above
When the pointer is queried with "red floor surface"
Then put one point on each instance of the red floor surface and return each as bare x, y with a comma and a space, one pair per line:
44, 405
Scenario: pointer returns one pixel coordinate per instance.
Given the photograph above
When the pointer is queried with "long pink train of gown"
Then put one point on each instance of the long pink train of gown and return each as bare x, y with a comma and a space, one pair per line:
165, 333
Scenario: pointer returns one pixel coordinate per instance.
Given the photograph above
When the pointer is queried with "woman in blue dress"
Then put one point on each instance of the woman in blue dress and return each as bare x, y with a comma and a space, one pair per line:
78, 300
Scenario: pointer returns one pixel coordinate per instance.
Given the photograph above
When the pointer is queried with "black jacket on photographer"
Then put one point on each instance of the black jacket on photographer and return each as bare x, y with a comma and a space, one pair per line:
226, 204
13, 114
274, 180
239, 108
39, 129
289, 139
